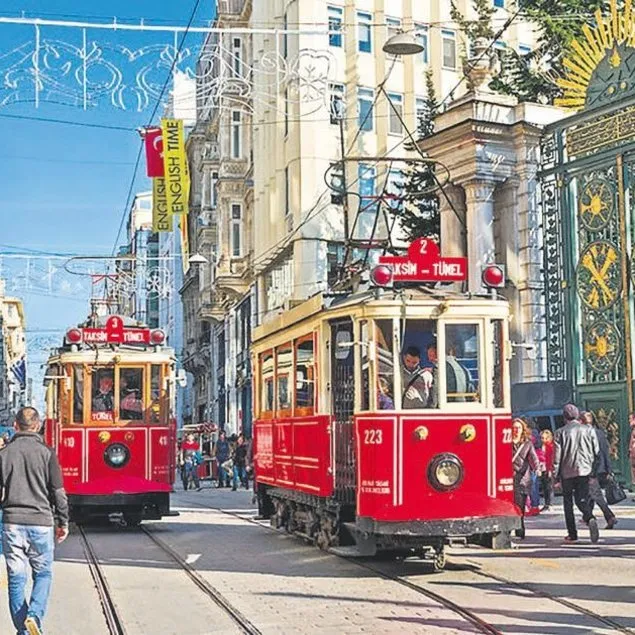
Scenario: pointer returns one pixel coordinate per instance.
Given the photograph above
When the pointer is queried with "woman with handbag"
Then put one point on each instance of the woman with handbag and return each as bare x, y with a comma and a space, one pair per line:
524, 460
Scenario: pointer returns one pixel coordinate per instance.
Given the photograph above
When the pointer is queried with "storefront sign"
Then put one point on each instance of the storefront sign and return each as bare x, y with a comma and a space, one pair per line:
424, 263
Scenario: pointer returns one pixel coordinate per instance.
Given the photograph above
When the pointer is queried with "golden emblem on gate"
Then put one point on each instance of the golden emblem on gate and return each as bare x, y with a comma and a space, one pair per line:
421, 433
468, 432
104, 436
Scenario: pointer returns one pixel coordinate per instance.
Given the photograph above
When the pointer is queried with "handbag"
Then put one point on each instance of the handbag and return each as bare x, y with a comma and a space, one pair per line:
614, 491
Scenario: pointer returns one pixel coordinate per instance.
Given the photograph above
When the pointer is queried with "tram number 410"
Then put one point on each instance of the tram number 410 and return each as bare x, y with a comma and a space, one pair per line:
373, 437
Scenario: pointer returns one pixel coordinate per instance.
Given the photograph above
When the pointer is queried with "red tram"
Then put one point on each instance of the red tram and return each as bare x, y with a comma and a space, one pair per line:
352, 452
110, 392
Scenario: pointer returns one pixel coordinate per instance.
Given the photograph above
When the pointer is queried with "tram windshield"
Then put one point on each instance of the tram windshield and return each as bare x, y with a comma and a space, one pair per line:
103, 394
131, 394
416, 383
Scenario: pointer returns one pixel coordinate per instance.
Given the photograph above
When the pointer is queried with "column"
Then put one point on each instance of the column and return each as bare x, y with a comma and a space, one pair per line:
452, 211
479, 202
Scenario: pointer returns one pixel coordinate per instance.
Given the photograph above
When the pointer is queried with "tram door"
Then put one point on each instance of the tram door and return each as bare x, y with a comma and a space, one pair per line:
343, 406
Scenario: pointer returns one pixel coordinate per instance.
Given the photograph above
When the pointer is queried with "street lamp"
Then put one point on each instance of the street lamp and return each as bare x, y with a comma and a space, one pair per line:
403, 44
198, 259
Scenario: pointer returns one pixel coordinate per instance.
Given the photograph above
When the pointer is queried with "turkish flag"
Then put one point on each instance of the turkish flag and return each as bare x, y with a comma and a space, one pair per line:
154, 152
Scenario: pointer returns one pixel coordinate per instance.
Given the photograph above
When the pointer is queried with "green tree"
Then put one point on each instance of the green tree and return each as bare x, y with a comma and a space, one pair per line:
529, 77
420, 214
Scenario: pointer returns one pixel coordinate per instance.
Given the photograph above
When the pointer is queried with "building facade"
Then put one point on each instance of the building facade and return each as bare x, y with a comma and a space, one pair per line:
13, 379
275, 112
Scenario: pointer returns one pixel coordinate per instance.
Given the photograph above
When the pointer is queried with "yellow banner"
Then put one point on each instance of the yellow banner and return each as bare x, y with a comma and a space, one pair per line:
175, 164
162, 220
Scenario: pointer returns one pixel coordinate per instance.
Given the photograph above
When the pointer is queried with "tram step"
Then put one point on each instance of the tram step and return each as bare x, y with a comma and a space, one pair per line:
172, 513
347, 552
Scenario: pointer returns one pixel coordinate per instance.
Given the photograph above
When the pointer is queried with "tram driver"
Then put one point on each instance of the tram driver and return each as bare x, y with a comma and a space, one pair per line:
103, 399
416, 382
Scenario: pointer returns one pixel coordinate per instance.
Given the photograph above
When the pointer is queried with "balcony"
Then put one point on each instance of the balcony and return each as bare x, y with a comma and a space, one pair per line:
231, 7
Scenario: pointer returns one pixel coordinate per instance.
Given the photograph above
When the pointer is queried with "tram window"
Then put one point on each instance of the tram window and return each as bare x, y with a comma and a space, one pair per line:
385, 365
103, 394
78, 394
65, 395
462, 362
131, 394
267, 380
366, 370
498, 368
418, 359
284, 358
155, 394
305, 375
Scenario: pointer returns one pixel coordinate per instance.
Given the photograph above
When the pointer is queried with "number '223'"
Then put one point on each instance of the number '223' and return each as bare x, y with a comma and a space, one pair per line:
373, 437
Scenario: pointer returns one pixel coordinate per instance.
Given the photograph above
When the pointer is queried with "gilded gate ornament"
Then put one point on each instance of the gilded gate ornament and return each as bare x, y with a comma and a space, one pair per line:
607, 420
597, 204
599, 280
602, 347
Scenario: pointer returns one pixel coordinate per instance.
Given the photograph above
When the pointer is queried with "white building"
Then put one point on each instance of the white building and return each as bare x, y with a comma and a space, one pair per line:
298, 229
13, 381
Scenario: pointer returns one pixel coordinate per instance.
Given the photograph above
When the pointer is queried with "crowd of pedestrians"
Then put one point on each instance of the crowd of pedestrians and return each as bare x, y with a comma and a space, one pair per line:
578, 458
232, 457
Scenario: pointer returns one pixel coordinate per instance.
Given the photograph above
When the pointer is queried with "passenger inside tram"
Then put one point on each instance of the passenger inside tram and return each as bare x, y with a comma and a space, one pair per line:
103, 391
130, 403
385, 397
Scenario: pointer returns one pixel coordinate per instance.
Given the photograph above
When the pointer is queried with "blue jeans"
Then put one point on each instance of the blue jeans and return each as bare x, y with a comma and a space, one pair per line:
534, 492
240, 473
32, 545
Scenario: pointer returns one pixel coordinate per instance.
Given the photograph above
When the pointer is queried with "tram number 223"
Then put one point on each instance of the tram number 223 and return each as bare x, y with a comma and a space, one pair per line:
507, 435
373, 437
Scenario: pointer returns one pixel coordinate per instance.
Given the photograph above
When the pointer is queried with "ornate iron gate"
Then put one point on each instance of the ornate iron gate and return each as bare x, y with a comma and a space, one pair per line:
588, 196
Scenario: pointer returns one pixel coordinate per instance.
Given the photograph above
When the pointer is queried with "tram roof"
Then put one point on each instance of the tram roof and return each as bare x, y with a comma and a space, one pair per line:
368, 303
120, 354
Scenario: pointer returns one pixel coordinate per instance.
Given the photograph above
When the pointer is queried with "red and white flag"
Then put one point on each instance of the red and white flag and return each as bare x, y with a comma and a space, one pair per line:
154, 152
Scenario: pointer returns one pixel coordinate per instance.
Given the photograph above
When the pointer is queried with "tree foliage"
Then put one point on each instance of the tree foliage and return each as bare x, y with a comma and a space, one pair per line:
420, 214
530, 76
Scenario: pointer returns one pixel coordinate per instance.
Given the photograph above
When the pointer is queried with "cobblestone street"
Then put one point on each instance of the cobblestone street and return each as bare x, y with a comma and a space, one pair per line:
274, 583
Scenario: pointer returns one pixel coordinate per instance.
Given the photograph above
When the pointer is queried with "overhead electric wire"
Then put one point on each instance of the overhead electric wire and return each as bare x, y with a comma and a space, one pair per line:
152, 116
67, 122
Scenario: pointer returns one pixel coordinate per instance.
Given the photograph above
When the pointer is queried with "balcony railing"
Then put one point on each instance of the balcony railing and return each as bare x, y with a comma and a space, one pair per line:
233, 7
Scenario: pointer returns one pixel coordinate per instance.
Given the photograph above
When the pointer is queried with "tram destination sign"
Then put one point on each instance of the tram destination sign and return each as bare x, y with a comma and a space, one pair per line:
424, 263
115, 333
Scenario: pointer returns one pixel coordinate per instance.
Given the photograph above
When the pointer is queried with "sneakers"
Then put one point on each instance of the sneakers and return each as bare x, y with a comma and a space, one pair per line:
32, 625
593, 530
611, 523
569, 541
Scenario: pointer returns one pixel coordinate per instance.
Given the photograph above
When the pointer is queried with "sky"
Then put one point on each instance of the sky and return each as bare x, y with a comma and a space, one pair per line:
64, 188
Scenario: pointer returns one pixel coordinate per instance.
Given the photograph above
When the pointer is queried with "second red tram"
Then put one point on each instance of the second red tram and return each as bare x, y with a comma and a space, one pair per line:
110, 404
384, 423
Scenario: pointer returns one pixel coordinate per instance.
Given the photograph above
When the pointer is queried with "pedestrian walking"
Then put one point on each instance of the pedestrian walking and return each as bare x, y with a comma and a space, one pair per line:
524, 460
534, 484
239, 459
575, 454
35, 515
3, 444
545, 458
191, 458
601, 472
222, 454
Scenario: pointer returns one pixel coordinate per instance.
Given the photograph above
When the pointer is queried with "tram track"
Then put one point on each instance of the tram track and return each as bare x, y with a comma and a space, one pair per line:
114, 621
111, 614
213, 594
466, 613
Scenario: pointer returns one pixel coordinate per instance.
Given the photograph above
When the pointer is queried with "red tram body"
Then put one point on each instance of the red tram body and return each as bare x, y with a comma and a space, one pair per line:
338, 464
109, 417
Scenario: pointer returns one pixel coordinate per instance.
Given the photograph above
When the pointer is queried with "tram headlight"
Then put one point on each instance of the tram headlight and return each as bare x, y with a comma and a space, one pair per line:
445, 472
117, 455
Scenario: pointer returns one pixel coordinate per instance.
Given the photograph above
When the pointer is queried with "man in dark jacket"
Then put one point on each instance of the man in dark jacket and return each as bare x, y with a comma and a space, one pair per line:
222, 455
576, 451
601, 471
240, 463
35, 513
